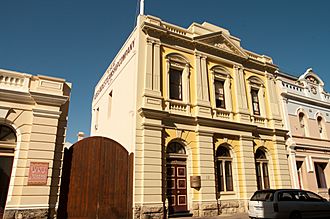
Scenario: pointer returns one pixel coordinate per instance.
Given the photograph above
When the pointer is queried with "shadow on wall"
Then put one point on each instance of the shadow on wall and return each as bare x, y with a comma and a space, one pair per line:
57, 159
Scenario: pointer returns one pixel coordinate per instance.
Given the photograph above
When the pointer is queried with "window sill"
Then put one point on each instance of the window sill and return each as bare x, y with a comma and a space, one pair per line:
228, 193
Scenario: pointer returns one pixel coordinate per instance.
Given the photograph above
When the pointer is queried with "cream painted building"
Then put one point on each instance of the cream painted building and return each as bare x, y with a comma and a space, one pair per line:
201, 115
33, 120
306, 110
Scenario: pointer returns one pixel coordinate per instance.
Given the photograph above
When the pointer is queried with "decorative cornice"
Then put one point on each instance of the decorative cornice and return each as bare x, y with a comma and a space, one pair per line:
304, 99
16, 96
49, 99
162, 33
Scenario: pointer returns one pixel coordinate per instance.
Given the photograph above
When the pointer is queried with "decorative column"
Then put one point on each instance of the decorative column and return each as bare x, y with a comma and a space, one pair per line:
156, 68
241, 95
280, 164
262, 105
198, 72
273, 103
152, 86
228, 94
205, 84
293, 167
204, 200
149, 58
246, 168
148, 191
201, 86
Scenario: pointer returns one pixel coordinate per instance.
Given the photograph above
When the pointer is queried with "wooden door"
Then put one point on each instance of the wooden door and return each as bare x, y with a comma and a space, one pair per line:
96, 181
177, 186
6, 163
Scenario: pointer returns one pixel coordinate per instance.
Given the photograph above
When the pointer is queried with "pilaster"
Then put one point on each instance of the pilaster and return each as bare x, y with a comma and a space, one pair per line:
148, 197
273, 104
152, 88
203, 107
203, 165
280, 164
246, 168
242, 110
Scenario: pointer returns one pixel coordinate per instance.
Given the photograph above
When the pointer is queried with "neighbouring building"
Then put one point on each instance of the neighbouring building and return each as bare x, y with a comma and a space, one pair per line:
33, 120
306, 111
201, 115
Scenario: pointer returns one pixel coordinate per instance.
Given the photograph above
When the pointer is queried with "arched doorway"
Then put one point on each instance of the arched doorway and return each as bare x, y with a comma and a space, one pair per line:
176, 178
7, 146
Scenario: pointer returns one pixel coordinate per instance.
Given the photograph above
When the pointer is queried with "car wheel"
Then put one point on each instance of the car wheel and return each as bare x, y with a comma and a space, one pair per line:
295, 215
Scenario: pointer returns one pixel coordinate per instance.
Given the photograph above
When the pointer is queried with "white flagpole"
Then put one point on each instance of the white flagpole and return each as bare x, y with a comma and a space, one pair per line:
141, 7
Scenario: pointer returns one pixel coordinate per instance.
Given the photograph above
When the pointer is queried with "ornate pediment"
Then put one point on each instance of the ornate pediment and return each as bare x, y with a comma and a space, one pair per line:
222, 42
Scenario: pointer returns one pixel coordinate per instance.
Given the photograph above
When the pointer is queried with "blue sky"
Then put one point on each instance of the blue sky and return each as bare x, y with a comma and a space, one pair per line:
77, 39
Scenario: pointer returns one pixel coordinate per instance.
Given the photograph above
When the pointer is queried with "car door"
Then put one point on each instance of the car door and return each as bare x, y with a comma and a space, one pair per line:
317, 206
286, 204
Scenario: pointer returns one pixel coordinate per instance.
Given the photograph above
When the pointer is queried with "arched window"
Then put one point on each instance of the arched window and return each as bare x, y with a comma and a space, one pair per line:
320, 124
7, 145
175, 148
7, 134
224, 169
262, 169
303, 123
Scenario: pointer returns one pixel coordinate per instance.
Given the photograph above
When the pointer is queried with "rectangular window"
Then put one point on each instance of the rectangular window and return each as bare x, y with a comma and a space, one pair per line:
320, 177
265, 175
219, 94
109, 104
221, 187
97, 112
175, 84
299, 165
229, 177
255, 101
259, 179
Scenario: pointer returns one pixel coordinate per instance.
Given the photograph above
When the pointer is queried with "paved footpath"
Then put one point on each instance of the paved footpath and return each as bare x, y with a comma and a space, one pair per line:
234, 216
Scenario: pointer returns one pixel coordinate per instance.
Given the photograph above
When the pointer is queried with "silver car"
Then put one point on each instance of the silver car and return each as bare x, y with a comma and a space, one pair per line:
288, 203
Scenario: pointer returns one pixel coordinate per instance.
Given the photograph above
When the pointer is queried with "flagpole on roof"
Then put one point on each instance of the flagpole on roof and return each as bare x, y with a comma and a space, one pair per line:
141, 7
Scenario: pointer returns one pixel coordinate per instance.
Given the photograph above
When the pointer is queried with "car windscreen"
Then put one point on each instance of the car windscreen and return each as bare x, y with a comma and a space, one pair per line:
263, 196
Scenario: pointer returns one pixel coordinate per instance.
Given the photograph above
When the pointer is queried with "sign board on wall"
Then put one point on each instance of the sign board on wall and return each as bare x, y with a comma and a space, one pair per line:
38, 173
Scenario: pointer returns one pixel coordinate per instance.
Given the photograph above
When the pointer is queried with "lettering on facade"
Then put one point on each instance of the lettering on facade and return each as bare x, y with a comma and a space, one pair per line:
113, 68
38, 173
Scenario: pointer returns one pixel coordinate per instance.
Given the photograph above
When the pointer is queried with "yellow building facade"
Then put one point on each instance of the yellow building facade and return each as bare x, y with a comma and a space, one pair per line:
33, 122
207, 124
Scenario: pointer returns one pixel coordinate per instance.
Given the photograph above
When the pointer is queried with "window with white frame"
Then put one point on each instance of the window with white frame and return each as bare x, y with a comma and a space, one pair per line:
221, 86
257, 101
175, 84
262, 169
177, 77
219, 94
224, 170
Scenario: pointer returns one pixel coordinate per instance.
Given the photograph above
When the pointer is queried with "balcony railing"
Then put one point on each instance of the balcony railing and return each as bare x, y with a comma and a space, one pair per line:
222, 114
13, 81
175, 106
